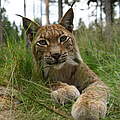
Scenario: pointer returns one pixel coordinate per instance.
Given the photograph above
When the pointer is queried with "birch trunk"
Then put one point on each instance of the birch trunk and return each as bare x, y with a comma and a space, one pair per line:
47, 11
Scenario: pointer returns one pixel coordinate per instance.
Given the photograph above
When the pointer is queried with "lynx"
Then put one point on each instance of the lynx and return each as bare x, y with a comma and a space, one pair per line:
55, 48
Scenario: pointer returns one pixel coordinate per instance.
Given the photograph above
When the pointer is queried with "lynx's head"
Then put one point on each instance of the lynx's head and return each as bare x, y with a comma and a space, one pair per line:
53, 44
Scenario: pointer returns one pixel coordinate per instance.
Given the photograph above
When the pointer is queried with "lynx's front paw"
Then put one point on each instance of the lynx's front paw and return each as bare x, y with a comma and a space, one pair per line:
65, 94
86, 109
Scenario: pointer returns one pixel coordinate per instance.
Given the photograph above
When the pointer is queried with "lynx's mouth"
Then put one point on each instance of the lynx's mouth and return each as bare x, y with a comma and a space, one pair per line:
55, 62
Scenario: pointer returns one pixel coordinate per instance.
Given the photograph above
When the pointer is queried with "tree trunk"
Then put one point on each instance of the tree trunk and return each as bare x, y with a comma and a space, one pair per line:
47, 11
108, 11
1, 33
101, 10
60, 9
25, 37
25, 8
66, 1
109, 20
34, 9
119, 9
1, 26
41, 10
101, 19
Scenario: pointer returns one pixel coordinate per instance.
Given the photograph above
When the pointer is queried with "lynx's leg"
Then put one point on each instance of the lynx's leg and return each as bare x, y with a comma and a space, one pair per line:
64, 93
92, 103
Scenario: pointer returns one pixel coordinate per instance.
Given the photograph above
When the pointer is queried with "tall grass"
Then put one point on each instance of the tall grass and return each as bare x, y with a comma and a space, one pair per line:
103, 57
16, 70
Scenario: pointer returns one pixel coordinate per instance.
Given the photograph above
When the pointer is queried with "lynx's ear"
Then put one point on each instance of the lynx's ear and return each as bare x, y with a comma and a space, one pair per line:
67, 20
30, 27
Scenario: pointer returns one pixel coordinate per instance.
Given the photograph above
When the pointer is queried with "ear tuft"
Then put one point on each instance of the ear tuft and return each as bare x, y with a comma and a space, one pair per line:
30, 27
67, 20
73, 3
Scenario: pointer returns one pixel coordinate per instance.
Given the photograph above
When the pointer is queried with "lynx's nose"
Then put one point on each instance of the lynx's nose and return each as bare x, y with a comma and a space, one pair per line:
56, 55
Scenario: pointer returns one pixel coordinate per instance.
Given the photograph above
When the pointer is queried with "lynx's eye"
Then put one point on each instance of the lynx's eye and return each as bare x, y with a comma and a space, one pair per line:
42, 42
63, 38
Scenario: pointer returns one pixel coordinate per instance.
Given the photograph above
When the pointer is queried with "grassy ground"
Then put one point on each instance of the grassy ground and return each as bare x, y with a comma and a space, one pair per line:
16, 69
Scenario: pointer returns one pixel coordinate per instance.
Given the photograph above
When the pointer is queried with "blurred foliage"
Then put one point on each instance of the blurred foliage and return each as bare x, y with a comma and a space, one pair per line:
10, 30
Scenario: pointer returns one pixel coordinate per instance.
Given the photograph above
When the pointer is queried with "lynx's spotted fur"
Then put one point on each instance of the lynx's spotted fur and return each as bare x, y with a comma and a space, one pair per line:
54, 48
